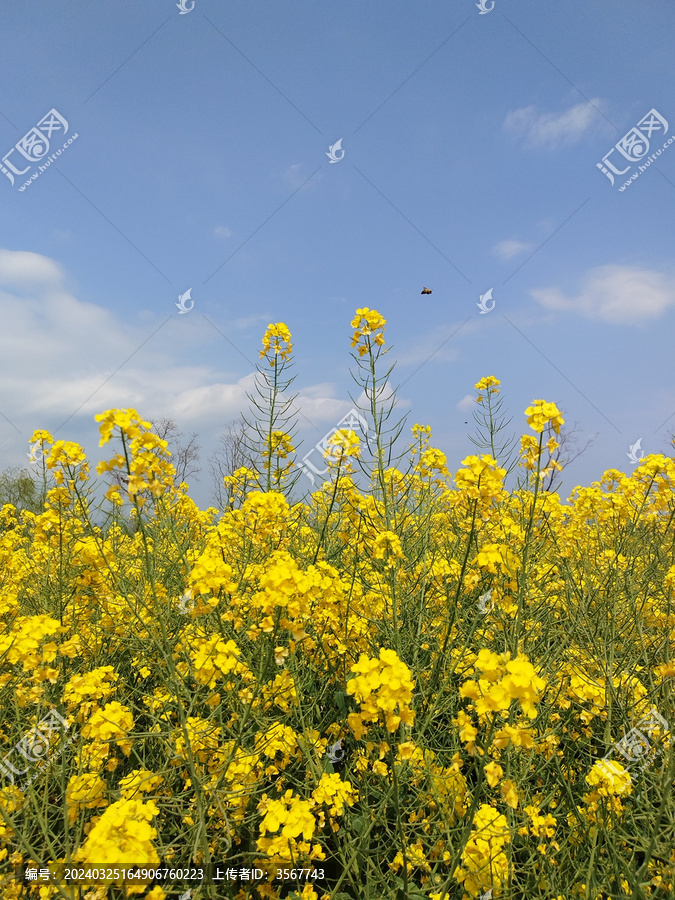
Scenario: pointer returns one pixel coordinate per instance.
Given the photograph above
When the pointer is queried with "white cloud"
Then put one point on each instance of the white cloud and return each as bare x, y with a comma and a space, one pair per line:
320, 406
59, 354
320, 411
211, 402
64, 360
614, 293
385, 395
467, 403
552, 130
19, 268
508, 249
223, 231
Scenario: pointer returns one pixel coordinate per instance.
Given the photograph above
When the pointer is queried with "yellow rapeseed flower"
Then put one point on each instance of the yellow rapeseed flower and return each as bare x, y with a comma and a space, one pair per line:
541, 413
276, 342
609, 778
111, 723
366, 323
85, 791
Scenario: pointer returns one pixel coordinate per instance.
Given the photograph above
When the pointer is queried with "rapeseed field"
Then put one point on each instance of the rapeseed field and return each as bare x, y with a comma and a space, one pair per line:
412, 684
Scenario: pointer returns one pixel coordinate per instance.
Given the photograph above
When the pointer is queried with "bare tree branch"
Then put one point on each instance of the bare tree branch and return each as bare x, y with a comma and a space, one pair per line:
565, 454
230, 455
185, 451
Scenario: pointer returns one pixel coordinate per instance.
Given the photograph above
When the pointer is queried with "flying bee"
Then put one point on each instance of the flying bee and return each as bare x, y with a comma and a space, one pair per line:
426, 290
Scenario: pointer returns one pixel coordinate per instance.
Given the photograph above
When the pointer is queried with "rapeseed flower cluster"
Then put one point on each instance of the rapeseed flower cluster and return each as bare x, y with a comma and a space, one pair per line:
484, 863
541, 413
143, 463
292, 818
276, 343
381, 686
344, 443
368, 327
503, 681
122, 836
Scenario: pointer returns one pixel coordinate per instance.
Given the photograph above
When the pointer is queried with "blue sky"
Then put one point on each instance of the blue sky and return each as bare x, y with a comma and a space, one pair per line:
471, 144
